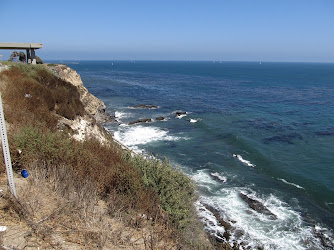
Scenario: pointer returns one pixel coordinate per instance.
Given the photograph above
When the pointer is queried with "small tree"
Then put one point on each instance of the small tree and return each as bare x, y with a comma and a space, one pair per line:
38, 60
22, 57
14, 55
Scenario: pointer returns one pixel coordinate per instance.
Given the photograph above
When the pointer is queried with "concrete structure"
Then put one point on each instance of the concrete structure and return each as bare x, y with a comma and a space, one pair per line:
29, 47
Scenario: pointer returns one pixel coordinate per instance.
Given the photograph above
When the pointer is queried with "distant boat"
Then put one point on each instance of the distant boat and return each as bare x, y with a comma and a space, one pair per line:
260, 63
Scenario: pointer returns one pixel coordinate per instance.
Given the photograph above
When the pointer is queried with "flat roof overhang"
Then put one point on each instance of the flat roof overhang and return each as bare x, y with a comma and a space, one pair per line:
21, 45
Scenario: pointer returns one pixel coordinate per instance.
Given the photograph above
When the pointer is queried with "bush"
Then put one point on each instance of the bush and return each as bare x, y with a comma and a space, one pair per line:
176, 191
39, 60
33, 92
101, 165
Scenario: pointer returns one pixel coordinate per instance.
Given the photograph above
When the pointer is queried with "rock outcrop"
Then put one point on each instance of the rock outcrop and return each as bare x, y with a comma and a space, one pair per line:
257, 206
93, 105
144, 106
87, 126
141, 121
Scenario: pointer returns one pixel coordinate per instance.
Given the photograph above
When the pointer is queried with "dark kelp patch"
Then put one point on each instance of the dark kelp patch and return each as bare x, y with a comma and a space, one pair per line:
288, 138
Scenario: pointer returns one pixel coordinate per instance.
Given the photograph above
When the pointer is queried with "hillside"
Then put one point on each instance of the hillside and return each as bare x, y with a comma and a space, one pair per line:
84, 190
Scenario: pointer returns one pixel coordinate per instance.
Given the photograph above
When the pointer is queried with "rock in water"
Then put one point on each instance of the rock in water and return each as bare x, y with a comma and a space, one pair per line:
160, 118
140, 121
227, 226
144, 106
257, 206
178, 113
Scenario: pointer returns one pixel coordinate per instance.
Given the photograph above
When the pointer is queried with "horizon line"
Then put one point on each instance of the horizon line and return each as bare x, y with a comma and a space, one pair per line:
184, 60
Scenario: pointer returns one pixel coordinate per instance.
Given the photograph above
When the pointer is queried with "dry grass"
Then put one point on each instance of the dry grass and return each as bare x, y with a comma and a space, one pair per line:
32, 97
84, 193
61, 216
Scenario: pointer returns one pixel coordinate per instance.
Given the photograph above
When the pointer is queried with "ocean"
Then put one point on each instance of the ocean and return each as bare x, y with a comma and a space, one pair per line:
260, 130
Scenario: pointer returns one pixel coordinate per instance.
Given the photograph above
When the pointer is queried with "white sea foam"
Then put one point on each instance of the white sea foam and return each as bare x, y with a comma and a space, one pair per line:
209, 219
202, 178
194, 120
248, 163
181, 116
254, 229
220, 177
140, 135
121, 114
291, 183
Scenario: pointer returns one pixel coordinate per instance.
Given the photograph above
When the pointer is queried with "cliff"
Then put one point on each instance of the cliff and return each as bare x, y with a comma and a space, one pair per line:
92, 104
89, 125
84, 191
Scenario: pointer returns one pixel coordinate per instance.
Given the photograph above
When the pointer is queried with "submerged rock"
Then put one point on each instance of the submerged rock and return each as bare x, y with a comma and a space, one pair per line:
227, 226
288, 138
215, 176
257, 206
160, 118
144, 106
178, 113
141, 121
324, 133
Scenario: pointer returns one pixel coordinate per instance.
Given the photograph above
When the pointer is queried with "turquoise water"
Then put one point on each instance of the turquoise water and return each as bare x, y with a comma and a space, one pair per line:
266, 130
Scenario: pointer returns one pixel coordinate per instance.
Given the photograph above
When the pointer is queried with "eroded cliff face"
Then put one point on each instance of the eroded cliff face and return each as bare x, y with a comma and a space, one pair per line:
93, 105
89, 125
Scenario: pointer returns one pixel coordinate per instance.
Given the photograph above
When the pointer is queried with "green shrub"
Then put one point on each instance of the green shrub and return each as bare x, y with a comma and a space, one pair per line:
102, 165
39, 60
176, 191
43, 145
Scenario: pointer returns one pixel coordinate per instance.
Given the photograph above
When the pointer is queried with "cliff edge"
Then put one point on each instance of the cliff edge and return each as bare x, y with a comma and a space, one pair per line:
92, 104
83, 191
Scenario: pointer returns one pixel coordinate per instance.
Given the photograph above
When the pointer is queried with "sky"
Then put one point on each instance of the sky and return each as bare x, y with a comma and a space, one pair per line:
223, 30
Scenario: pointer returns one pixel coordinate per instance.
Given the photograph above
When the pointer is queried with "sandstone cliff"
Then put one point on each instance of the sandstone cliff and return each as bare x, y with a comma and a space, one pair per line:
87, 125
93, 105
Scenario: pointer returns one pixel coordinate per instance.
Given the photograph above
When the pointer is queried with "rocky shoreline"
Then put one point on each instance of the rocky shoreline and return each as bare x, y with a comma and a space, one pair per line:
230, 239
97, 109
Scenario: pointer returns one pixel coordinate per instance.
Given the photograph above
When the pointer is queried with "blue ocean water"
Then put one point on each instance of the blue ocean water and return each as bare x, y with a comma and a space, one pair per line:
261, 129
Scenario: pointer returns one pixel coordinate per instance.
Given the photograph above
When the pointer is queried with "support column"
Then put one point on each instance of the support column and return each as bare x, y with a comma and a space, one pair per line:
33, 56
28, 56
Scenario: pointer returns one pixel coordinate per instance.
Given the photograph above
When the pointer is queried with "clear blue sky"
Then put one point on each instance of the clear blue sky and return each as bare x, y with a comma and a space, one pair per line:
229, 30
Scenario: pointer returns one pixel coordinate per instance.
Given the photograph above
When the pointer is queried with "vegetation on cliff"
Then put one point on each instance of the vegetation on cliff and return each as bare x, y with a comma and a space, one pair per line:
82, 175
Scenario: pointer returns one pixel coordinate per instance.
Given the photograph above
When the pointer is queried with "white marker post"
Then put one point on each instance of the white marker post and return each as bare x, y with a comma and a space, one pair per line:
5, 149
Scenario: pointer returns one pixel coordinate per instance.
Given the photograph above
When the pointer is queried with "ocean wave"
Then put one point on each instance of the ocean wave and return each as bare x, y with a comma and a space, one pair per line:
140, 135
202, 178
253, 229
291, 183
210, 220
180, 116
248, 163
195, 120
121, 114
